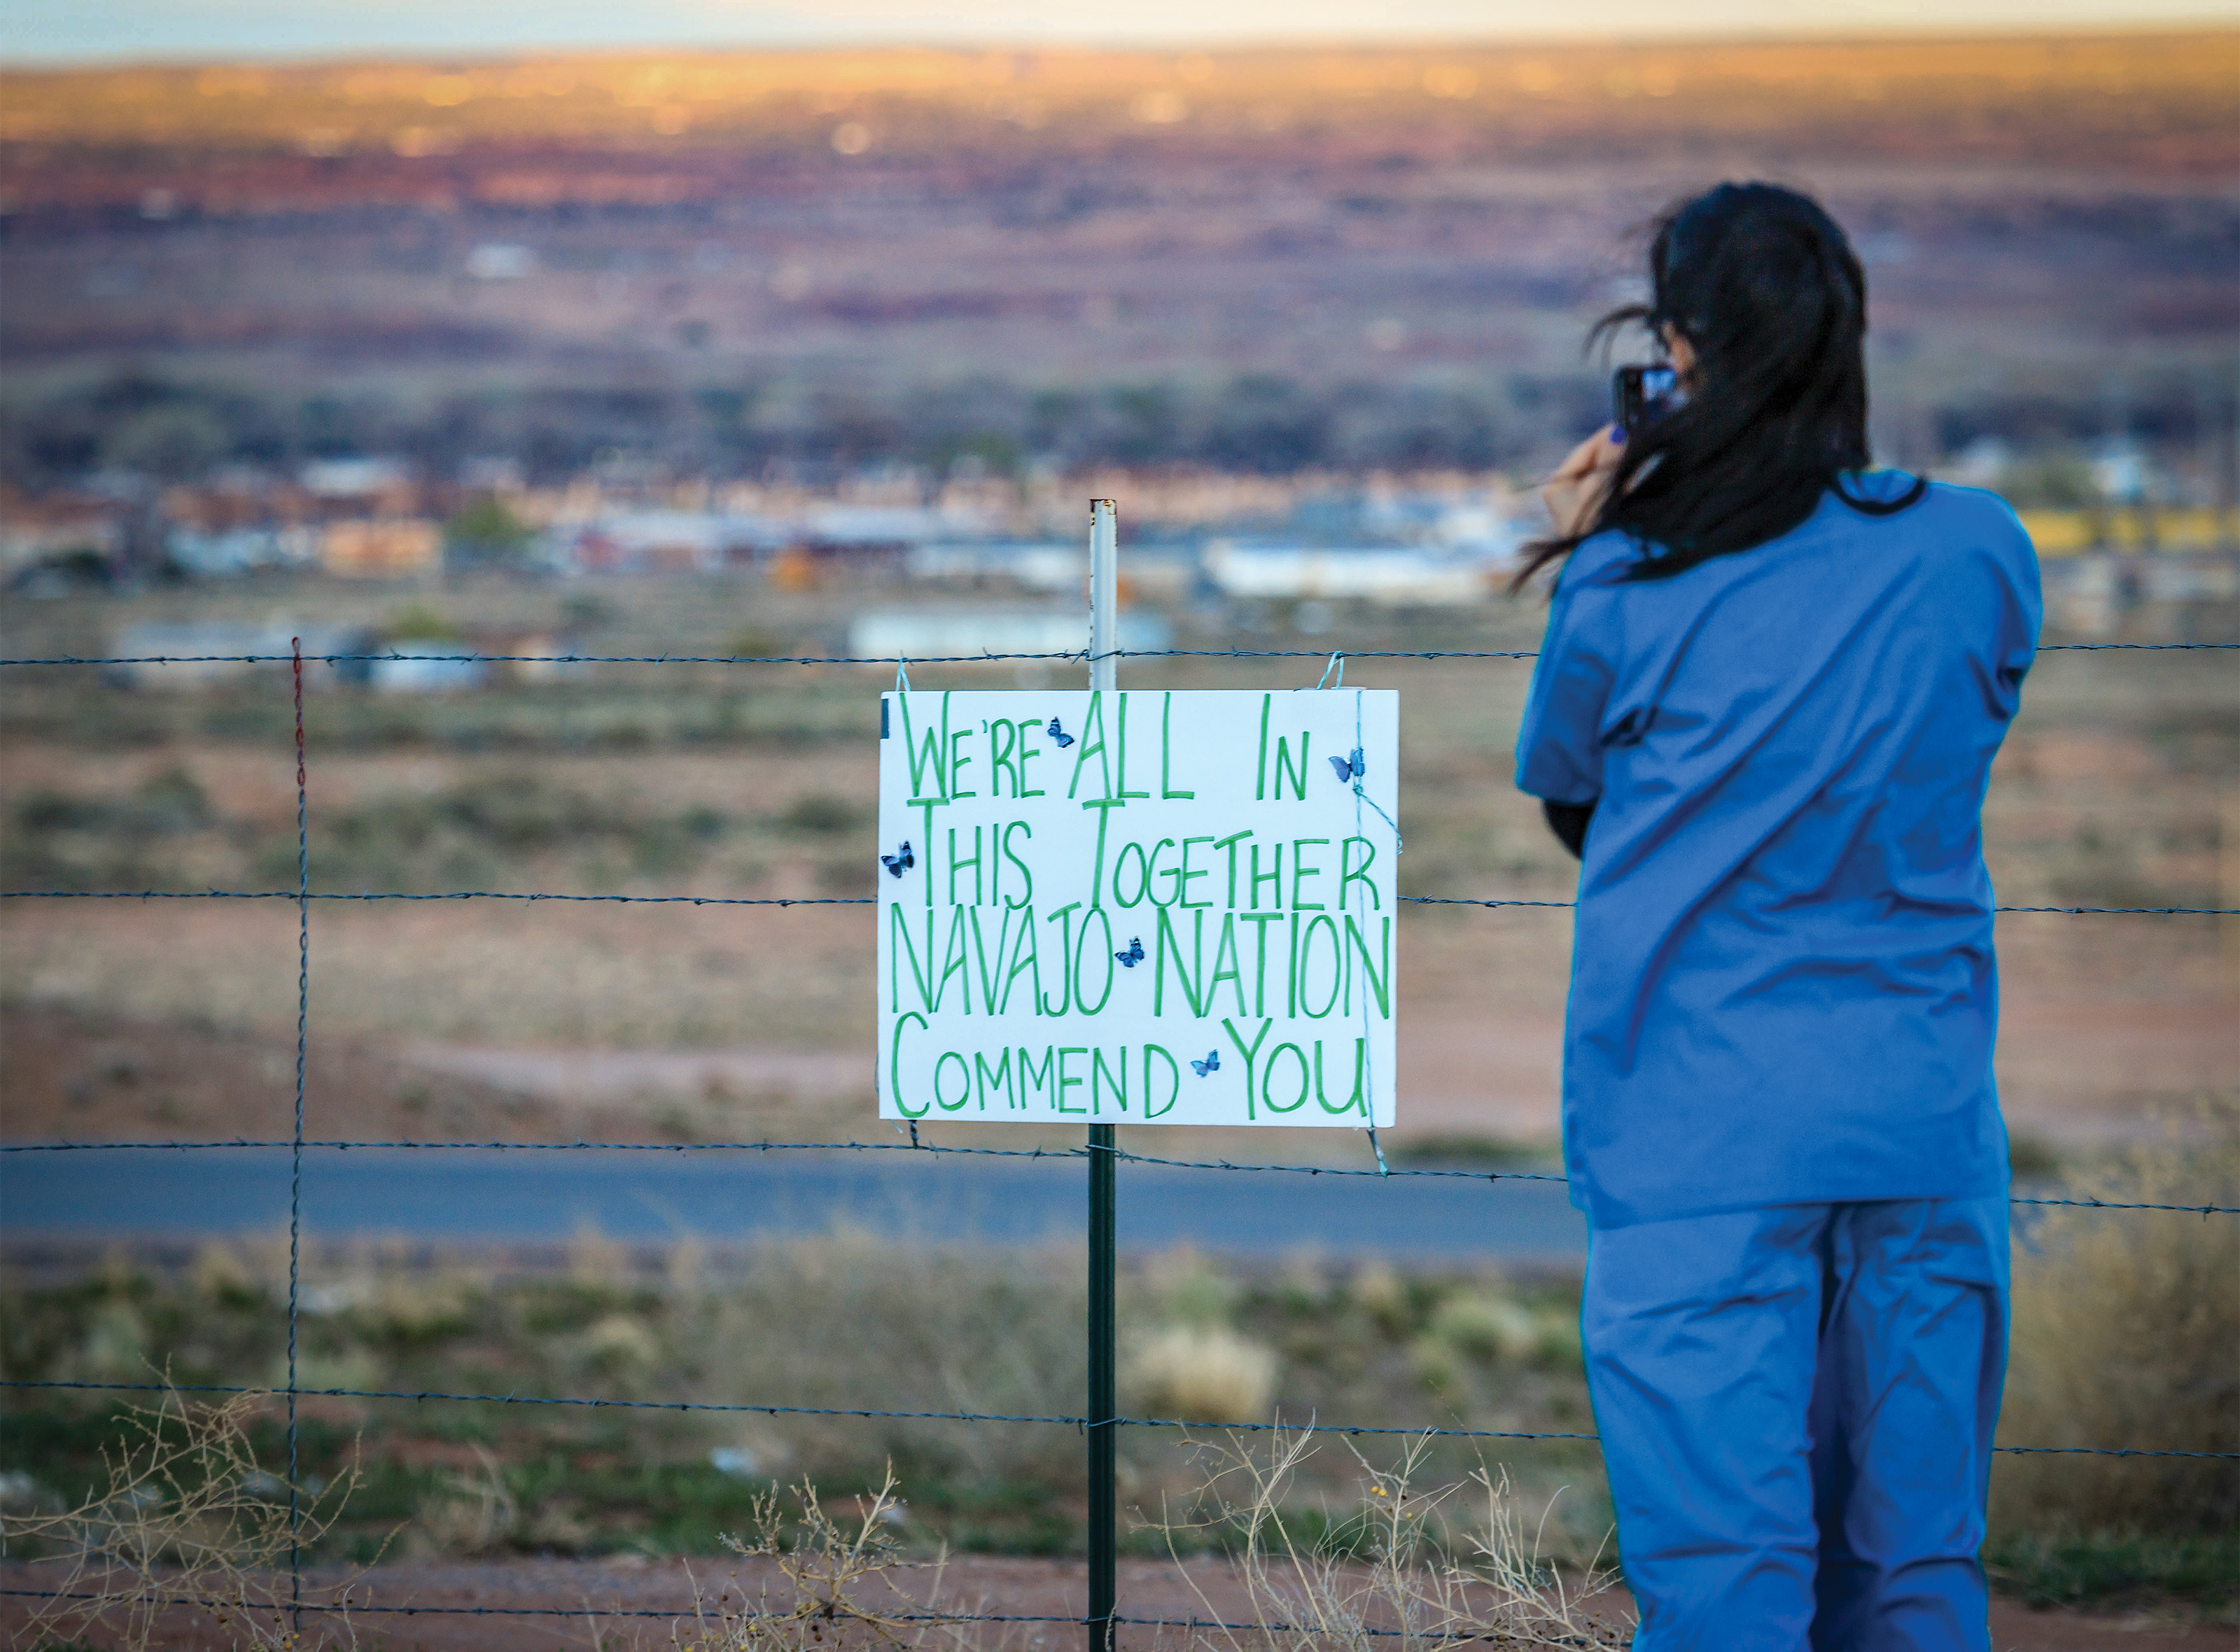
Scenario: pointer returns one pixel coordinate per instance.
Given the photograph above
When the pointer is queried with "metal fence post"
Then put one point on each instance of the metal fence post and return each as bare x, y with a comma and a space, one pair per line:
1104, 1499
295, 1146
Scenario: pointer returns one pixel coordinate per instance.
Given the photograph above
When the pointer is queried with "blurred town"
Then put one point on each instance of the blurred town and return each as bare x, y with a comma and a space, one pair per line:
876, 324
1001, 559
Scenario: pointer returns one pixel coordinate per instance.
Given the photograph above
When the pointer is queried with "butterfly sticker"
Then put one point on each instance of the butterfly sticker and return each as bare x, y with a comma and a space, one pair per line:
1351, 767
900, 862
1059, 734
1133, 956
1210, 1064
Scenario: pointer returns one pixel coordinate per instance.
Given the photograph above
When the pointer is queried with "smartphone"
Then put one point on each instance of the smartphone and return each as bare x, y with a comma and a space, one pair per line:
1641, 395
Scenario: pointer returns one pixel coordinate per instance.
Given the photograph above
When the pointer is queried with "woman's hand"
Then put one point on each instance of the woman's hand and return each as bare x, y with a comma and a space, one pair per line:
1575, 492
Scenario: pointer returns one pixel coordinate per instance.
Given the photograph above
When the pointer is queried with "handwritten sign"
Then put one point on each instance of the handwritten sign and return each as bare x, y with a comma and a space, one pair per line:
1139, 906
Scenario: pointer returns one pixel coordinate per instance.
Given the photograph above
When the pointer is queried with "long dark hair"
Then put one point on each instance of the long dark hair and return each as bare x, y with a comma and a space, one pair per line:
1764, 287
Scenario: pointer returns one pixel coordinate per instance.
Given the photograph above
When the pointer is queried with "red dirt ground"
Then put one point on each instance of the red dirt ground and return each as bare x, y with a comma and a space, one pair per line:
1157, 1589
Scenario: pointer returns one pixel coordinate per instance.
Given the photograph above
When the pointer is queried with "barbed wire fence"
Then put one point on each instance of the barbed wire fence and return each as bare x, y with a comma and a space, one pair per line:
298, 1143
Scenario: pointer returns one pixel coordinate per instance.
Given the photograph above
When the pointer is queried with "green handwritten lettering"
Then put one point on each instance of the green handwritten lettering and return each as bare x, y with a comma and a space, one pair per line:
1346, 875
1183, 881
1301, 871
928, 756
1025, 960
1261, 921
1260, 770
1064, 915
1166, 753
1326, 927
1122, 790
1359, 1098
1376, 974
1268, 1081
1002, 755
1174, 1081
894, 1068
956, 865
898, 930
1093, 746
1065, 1079
998, 1079
1230, 843
1168, 945
957, 765
1143, 876
1225, 962
1082, 1006
1251, 1056
965, 1095
954, 962
1034, 1081
990, 981
1274, 879
1012, 855
1100, 1076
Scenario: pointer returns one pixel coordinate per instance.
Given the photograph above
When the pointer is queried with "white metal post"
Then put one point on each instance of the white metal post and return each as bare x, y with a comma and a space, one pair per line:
1103, 594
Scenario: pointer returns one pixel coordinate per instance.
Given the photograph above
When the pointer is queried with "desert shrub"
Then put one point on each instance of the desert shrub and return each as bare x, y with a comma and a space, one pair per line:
182, 1520
2126, 1328
1485, 1327
1202, 1373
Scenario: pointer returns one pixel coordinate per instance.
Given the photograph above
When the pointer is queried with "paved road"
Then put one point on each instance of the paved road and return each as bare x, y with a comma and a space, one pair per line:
462, 1196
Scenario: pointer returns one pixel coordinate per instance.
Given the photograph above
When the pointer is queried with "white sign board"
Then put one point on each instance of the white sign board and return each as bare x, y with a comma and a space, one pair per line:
1139, 906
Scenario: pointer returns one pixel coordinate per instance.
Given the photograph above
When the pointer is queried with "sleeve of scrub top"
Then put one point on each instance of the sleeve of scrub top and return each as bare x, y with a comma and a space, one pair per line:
1559, 747
2024, 613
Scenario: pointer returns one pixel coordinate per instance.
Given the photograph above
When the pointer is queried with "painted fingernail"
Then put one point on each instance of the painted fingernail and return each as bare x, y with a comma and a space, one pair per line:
1617, 433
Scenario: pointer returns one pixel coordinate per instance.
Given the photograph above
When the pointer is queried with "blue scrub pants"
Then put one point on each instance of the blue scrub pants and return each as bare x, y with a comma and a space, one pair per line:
1796, 1407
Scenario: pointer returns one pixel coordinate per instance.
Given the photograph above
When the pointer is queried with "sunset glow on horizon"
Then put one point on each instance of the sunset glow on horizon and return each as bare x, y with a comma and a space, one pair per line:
42, 32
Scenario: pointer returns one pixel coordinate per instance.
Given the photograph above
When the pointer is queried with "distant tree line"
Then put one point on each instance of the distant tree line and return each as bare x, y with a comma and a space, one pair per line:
177, 430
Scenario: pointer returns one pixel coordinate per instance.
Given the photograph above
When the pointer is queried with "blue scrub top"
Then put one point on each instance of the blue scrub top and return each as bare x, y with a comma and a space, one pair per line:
1783, 988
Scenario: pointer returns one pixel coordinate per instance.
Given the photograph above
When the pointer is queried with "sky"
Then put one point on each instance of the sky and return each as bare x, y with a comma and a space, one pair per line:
42, 31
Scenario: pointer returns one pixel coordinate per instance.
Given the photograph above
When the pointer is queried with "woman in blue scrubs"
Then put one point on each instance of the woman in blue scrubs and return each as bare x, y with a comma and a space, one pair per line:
1763, 716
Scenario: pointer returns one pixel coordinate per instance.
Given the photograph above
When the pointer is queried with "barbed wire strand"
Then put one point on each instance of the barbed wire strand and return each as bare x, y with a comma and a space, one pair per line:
721, 1616
1349, 1429
1051, 1153
872, 900
986, 657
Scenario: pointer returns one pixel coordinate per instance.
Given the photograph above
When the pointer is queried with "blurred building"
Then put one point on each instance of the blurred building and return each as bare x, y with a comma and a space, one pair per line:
675, 542
397, 548
937, 633
1156, 573
36, 533
374, 486
210, 553
1389, 575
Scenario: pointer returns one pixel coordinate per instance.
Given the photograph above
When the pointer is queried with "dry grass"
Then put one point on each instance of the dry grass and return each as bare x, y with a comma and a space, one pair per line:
1417, 1569
835, 1579
1432, 1569
185, 1518
2126, 1325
